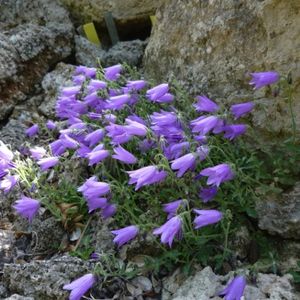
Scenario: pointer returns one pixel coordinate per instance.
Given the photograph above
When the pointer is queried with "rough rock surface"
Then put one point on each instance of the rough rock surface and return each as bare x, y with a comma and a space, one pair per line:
211, 46
83, 11
281, 216
18, 297
205, 285
34, 36
44, 279
130, 52
51, 85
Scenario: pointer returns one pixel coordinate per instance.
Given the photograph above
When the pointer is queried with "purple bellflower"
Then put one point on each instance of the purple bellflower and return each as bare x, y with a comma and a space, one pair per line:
218, 174
94, 137
184, 163
241, 109
93, 189
32, 131
88, 72
124, 156
8, 182
233, 131
70, 90
5, 154
261, 79
37, 152
108, 211
80, 286
207, 194
97, 156
206, 217
117, 102
146, 176
171, 229
136, 85
50, 125
112, 73
95, 85
27, 207
203, 125
135, 128
235, 289
171, 208
204, 104
157, 92
48, 162
125, 234
95, 203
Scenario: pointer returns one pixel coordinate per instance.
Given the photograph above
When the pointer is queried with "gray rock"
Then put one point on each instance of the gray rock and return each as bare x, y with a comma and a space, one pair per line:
52, 83
18, 297
88, 54
6, 246
44, 279
34, 36
83, 11
212, 46
205, 285
281, 216
130, 52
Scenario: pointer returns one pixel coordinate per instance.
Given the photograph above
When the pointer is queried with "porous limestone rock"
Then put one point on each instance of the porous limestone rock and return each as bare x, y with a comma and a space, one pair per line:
281, 216
34, 36
211, 47
44, 279
88, 54
52, 84
83, 11
205, 285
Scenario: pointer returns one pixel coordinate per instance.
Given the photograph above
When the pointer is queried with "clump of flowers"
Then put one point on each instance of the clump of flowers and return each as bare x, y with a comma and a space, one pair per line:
133, 138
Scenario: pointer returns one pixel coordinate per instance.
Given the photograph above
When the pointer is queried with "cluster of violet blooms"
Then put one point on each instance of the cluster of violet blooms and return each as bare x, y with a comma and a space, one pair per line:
94, 99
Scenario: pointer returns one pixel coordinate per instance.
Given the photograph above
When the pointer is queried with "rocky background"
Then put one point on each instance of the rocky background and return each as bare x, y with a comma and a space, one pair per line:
210, 46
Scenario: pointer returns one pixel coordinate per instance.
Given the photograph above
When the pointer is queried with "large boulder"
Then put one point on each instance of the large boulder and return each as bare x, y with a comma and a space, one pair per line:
34, 36
212, 46
83, 11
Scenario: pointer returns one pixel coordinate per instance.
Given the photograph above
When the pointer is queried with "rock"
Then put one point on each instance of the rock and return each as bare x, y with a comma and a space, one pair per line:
3, 290
18, 297
6, 246
88, 54
52, 83
211, 46
34, 36
130, 52
205, 285
44, 279
83, 11
281, 216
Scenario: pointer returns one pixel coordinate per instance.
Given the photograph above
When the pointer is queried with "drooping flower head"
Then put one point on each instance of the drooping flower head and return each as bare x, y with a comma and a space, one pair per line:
146, 176
241, 109
8, 182
94, 137
235, 289
112, 73
204, 104
80, 286
5, 154
108, 211
157, 92
32, 131
206, 217
172, 207
93, 188
233, 131
124, 156
203, 125
48, 162
218, 174
171, 229
37, 152
27, 207
125, 234
261, 79
184, 163
50, 125
207, 194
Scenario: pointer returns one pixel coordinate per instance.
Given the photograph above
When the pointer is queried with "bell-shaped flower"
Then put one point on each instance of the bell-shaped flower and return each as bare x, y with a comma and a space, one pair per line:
206, 217
125, 234
171, 229
80, 286
261, 79
27, 207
